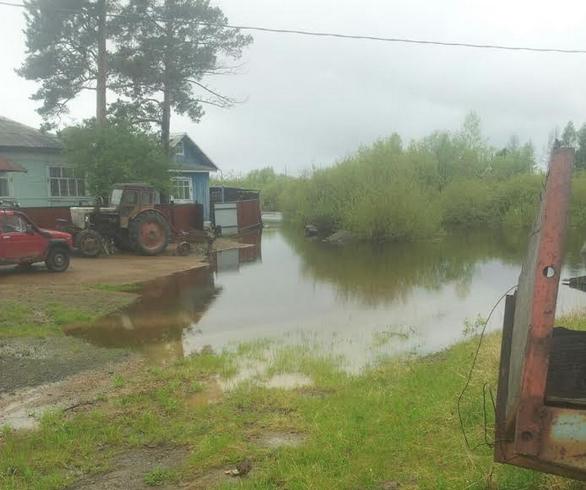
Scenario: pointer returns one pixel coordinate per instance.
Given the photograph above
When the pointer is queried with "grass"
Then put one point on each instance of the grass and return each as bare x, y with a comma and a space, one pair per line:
134, 288
395, 422
43, 311
159, 477
21, 320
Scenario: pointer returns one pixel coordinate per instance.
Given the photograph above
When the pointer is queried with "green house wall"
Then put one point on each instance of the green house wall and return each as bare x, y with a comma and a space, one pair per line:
31, 189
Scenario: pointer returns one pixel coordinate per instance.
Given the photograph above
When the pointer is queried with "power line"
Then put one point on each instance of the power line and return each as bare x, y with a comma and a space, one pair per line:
397, 40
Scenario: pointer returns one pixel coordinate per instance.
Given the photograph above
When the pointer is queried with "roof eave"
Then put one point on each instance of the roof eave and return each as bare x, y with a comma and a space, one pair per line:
31, 148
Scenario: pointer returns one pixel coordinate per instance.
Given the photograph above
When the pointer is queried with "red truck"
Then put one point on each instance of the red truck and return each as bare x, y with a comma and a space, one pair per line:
24, 243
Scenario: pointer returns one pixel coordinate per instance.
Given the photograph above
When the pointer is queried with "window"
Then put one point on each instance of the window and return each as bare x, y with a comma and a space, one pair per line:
66, 182
147, 198
4, 188
13, 224
116, 198
130, 198
182, 189
180, 149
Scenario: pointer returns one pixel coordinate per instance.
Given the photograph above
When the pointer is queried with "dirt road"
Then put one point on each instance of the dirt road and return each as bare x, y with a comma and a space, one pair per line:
116, 269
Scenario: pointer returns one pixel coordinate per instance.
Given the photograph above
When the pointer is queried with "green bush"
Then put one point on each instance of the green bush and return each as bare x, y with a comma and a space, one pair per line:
469, 203
392, 191
578, 202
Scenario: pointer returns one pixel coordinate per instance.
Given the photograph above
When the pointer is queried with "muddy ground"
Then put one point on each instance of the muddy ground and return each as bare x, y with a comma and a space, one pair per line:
32, 362
115, 269
22, 408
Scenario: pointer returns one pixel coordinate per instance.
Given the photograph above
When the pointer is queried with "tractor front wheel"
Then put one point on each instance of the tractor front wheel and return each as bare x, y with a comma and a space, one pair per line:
89, 243
149, 233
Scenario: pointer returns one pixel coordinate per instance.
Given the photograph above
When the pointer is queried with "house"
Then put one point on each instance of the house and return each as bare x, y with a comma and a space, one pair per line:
32, 170
34, 173
190, 173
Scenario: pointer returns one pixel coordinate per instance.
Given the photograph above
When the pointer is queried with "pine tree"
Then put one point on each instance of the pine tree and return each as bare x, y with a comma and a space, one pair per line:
569, 136
64, 53
164, 56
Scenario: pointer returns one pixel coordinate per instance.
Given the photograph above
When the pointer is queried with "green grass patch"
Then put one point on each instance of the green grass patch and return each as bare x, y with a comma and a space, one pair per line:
26, 320
134, 288
160, 476
395, 422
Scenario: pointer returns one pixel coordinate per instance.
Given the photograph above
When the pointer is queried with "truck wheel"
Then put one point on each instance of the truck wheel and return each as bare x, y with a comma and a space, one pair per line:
89, 243
149, 233
58, 259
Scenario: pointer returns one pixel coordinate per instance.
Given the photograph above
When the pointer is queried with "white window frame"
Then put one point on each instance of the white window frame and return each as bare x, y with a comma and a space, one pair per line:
189, 186
60, 179
6, 177
180, 146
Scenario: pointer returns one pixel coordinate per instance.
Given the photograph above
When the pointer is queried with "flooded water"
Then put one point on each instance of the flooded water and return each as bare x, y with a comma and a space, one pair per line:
360, 301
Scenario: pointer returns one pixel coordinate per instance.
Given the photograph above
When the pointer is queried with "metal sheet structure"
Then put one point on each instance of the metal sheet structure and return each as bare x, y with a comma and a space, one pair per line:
541, 400
226, 217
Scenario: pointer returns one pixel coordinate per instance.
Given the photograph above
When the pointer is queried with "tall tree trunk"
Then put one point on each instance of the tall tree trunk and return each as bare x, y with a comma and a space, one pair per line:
166, 116
101, 85
166, 121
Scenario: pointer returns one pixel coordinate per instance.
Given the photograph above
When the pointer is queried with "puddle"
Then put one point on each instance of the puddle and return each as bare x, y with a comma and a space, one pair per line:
212, 393
288, 381
361, 302
274, 440
24, 408
17, 416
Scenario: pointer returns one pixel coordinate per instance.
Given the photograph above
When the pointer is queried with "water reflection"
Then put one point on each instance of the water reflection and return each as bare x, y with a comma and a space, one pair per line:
231, 259
360, 301
386, 273
155, 323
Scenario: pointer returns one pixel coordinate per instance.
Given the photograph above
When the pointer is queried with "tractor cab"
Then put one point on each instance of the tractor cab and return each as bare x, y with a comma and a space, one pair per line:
128, 200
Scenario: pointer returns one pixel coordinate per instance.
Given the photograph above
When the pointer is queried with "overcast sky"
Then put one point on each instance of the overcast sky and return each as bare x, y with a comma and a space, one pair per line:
311, 101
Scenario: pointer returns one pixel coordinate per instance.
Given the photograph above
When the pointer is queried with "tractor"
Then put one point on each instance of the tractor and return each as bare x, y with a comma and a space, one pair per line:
130, 222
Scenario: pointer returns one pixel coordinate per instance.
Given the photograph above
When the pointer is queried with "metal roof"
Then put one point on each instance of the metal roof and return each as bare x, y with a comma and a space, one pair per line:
16, 135
8, 166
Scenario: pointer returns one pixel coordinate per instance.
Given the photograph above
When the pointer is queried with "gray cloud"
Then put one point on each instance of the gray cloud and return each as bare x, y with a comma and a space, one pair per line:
312, 101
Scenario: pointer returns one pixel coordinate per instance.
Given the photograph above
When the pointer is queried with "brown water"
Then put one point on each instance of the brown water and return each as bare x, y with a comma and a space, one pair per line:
360, 301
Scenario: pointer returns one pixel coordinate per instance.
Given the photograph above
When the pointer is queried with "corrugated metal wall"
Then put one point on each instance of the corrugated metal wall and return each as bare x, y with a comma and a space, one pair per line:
182, 217
249, 215
47, 217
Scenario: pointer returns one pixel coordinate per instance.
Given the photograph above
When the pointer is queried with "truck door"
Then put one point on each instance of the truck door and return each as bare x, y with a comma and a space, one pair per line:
20, 241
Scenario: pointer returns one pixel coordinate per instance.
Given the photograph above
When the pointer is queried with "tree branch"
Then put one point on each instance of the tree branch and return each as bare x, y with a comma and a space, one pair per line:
228, 100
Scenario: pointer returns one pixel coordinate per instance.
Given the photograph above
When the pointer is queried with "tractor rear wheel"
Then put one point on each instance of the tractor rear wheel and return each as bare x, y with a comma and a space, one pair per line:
149, 233
89, 243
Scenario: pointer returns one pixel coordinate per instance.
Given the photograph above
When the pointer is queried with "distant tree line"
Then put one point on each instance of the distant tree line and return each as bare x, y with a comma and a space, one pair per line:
392, 190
